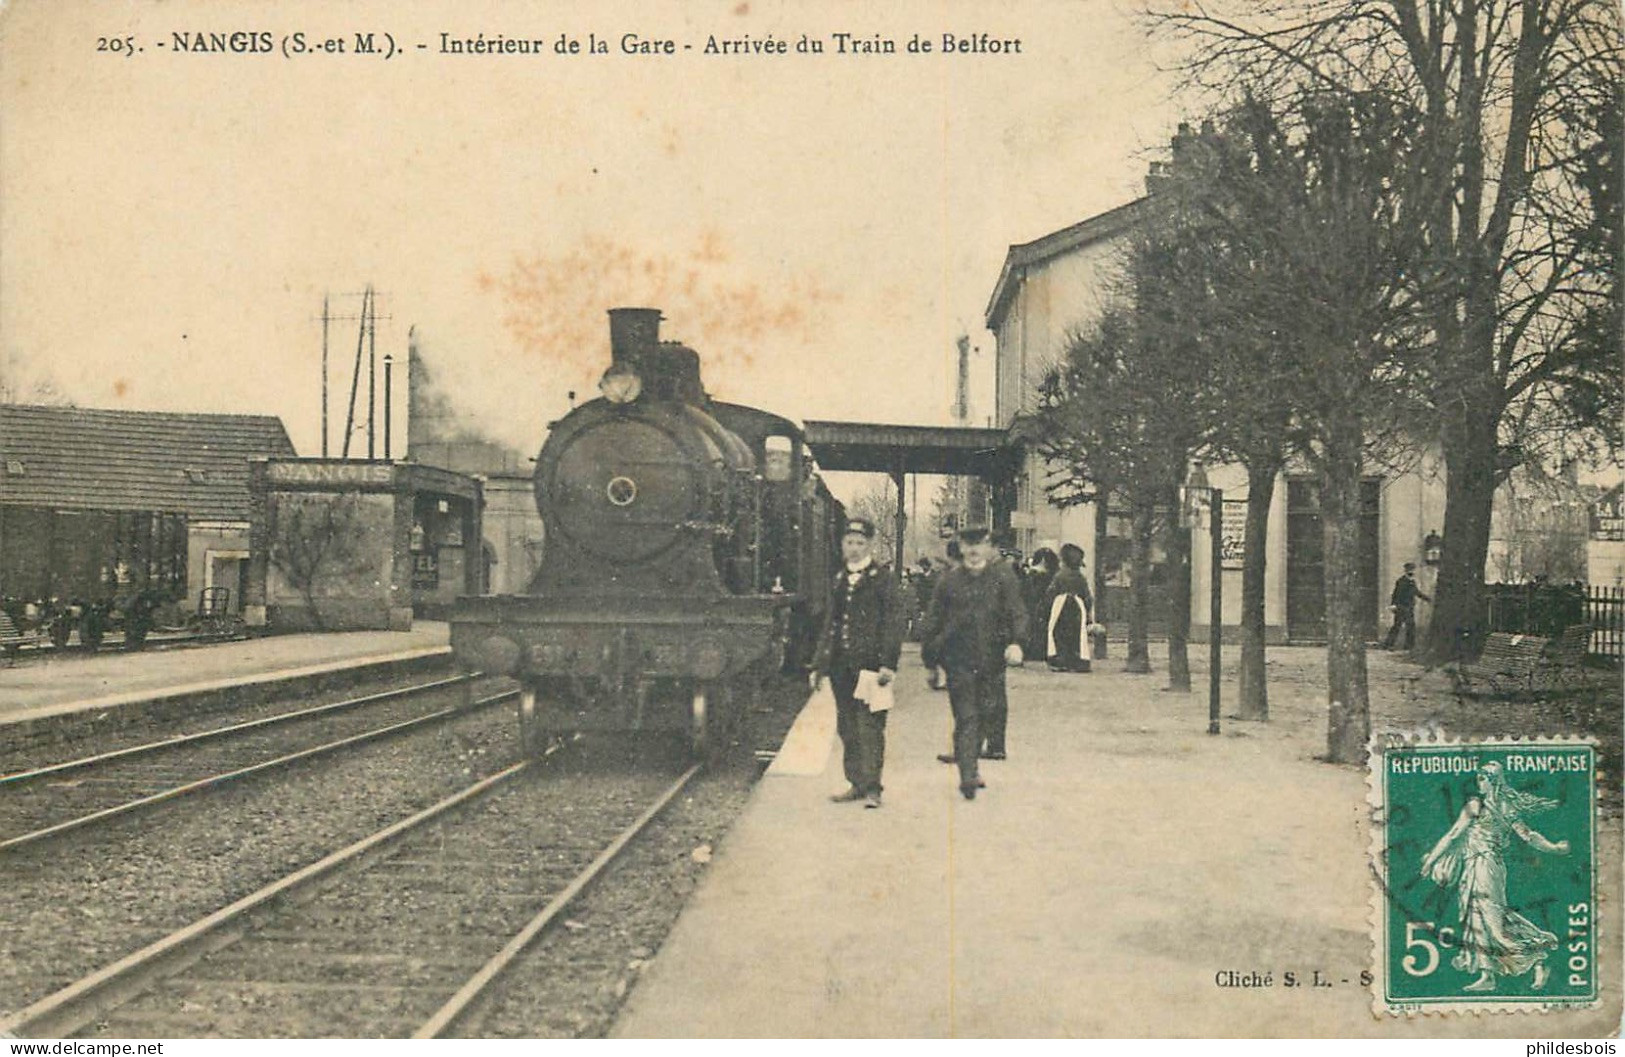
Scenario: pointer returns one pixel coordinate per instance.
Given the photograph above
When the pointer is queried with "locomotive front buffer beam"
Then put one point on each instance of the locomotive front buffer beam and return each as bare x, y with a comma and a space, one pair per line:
589, 665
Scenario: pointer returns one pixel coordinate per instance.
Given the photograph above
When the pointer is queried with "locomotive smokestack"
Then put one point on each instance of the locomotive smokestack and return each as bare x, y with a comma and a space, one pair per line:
634, 334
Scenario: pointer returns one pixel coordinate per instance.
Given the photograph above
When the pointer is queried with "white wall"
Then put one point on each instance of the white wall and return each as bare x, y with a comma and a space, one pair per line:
1054, 299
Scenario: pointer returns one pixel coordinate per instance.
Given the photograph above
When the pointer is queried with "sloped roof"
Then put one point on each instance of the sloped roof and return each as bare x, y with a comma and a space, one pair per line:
1024, 255
73, 458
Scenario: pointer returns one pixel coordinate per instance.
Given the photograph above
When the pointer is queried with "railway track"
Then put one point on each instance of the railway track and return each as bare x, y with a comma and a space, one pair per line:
51, 800
401, 933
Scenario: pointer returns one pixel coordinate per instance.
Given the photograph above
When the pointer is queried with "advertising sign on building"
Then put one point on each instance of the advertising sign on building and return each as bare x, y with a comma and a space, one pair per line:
1233, 534
1607, 518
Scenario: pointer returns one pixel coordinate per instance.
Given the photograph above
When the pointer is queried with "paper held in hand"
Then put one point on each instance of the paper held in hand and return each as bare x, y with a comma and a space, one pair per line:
879, 698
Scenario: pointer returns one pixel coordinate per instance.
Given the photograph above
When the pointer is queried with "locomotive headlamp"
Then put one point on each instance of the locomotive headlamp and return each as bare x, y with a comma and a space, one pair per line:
620, 384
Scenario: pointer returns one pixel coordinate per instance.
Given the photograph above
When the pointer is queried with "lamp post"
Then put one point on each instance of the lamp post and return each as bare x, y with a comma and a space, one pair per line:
1215, 577
1196, 489
389, 364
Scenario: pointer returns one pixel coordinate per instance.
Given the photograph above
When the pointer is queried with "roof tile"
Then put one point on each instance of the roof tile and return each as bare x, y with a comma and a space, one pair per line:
98, 459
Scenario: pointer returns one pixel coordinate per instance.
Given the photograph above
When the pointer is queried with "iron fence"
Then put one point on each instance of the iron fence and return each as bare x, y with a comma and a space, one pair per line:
1546, 609
1605, 612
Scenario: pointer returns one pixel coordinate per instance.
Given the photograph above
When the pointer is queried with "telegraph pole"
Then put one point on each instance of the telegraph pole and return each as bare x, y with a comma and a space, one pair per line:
368, 329
355, 374
371, 324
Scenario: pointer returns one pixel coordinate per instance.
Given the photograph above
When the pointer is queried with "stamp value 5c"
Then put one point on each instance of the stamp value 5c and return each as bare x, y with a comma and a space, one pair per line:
1483, 855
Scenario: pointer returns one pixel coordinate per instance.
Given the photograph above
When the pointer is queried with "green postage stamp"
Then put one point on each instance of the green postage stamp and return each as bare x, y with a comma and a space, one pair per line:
1484, 860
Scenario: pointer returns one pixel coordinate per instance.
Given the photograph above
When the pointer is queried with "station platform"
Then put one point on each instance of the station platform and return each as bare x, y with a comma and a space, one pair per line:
1118, 863
58, 690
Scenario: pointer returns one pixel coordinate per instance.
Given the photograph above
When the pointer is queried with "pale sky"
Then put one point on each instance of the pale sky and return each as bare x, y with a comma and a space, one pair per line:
169, 222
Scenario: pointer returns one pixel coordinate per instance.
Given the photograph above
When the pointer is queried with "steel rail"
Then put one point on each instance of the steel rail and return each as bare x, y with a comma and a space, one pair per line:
235, 728
66, 1010
243, 772
459, 1003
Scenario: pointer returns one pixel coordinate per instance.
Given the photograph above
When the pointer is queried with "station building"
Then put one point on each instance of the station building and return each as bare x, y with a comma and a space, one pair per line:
1060, 283
96, 504
343, 545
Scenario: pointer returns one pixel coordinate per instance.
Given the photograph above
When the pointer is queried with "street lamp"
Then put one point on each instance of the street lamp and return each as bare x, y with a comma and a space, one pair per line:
1192, 493
389, 369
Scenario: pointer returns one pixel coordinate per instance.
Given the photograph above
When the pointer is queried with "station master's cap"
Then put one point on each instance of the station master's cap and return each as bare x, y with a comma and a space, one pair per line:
861, 526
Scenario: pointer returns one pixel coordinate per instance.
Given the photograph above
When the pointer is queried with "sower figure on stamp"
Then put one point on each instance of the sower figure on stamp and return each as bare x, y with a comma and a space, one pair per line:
975, 628
1471, 858
1403, 604
863, 632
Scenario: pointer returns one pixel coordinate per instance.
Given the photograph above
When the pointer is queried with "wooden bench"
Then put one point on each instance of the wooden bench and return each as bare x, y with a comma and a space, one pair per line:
1507, 666
1563, 668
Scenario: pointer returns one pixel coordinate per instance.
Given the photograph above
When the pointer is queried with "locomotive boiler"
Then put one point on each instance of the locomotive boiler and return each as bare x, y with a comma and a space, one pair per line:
689, 549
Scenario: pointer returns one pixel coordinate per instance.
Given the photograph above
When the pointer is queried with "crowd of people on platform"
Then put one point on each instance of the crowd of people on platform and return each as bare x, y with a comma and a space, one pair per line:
977, 614
1061, 614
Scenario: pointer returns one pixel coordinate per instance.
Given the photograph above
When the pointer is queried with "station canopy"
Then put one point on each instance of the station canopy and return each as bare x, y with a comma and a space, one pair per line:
869, 447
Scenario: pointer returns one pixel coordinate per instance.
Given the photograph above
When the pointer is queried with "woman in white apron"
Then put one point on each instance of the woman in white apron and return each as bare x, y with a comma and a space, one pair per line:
1070, 609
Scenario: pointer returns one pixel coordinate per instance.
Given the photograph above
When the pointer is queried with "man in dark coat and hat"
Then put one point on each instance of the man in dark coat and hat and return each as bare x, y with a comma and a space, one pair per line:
1403, 604
863, 632
974, 630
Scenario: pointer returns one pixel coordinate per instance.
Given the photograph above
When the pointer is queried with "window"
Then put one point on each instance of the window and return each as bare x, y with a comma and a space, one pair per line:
777, 458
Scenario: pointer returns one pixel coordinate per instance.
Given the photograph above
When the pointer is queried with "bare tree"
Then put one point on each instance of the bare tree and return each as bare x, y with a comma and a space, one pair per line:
1255, 362
42, 391
1517, 120
315, 538
1344, 253
1121, 416
878, 503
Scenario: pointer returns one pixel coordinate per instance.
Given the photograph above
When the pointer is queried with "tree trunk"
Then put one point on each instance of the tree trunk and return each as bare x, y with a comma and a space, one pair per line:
1456, 622
1254, 692
1138, 659
1348, 704
1179, 607
307, 590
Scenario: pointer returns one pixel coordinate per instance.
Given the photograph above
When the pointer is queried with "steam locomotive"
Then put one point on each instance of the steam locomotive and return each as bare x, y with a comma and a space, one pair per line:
690, 549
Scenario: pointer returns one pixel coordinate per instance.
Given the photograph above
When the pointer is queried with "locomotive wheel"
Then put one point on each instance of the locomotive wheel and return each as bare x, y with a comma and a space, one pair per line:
532, 741
700, 734
714, 718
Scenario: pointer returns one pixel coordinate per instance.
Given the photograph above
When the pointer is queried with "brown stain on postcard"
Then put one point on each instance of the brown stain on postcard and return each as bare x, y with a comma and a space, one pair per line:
554, 303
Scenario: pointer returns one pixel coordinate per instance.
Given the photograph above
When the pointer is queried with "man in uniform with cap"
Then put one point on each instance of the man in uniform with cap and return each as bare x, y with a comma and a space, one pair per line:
863, 631
1403, 603
974, 630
